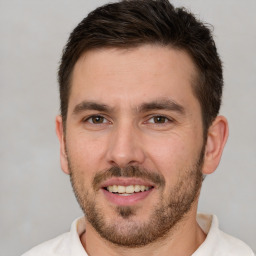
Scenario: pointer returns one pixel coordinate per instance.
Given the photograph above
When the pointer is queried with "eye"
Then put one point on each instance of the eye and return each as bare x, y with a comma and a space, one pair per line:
96, 120
158, 120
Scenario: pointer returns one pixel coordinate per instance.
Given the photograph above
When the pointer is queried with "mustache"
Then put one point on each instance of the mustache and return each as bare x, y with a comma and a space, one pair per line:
130, 171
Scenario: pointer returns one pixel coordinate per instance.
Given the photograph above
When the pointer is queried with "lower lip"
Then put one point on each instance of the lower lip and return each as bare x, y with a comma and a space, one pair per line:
126, 200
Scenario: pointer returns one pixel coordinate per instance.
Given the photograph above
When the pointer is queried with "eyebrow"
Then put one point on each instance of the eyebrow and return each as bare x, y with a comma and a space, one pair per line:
88, 105
162, 104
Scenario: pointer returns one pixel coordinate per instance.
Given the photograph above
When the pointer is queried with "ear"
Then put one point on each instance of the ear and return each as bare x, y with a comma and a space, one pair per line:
60, 134
216, 140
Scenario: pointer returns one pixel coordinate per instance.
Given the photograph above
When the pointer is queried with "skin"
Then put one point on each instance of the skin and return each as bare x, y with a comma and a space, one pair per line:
124, 80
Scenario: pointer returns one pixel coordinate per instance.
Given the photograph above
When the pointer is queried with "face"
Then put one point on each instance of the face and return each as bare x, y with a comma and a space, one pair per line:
134, 141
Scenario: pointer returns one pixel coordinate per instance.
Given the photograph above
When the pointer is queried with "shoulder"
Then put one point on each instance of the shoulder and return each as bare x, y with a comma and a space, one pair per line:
53, 247
218, 243
66, 244
233, 246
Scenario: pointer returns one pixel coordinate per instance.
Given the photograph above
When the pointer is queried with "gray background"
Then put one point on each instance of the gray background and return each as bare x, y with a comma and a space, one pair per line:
36, 198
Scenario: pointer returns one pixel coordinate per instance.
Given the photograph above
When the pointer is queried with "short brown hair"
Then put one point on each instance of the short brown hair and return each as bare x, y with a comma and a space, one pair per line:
131, 23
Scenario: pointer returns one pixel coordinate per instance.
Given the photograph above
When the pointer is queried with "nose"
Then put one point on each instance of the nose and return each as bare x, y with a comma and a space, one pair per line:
125, 146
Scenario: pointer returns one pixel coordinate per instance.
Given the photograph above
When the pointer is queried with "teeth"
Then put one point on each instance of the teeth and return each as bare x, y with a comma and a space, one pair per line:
129, 189
121, 189
137, 188
115, 188
126, 190
110, 189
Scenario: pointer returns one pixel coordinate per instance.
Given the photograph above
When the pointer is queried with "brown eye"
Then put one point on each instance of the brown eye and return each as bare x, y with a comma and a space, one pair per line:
97, 120
160, 119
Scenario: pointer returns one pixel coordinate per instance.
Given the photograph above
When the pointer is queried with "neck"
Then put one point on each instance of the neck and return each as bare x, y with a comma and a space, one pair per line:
182, 240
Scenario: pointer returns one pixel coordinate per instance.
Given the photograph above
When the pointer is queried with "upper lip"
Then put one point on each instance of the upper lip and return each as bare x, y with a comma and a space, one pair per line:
126, 182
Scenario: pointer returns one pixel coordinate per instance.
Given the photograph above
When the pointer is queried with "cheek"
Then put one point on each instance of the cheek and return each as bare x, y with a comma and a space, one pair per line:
85, 152
171, 156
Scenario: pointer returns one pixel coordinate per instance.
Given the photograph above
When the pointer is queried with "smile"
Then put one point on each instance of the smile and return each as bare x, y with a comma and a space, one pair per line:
127, 190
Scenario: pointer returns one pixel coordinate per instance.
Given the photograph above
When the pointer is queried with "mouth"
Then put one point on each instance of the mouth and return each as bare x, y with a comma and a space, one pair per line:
126, 191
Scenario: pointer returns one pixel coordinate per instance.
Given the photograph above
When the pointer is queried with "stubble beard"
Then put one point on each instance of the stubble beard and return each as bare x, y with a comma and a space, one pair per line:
164, 217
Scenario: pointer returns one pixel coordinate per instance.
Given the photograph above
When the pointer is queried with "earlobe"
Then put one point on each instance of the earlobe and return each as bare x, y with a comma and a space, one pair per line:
61, 137
216, 140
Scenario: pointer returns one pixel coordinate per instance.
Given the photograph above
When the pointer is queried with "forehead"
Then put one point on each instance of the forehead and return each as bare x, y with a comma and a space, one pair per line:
142, 73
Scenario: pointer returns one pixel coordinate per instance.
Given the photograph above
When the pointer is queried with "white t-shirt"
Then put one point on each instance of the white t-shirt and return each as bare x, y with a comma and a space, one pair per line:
217, 243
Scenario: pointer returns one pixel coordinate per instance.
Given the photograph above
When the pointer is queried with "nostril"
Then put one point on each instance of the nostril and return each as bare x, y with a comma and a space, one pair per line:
123, 162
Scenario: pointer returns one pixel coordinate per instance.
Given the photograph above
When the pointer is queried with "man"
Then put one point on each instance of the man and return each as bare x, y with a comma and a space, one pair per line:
140, 90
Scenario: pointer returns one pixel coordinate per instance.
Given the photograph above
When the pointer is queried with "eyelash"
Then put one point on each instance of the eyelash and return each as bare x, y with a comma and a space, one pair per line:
95, 116
166, 120
105, 120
